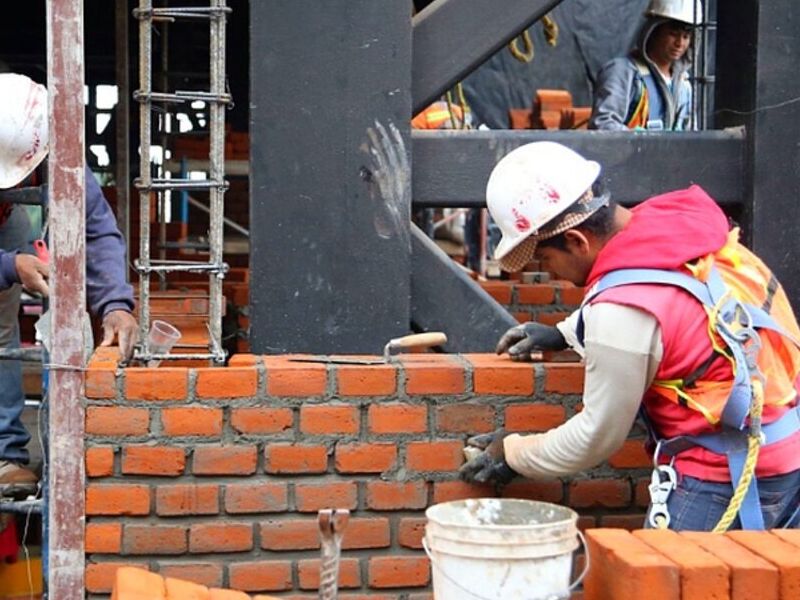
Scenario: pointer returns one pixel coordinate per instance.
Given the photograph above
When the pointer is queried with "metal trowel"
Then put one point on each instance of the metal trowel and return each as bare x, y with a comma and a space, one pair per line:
415, 340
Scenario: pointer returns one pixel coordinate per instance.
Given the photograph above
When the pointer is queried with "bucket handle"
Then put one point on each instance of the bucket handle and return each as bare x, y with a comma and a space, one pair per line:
570, 589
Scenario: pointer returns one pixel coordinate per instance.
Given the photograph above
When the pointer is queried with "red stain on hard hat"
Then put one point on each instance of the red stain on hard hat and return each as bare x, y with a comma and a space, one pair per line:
552, 195
520, 222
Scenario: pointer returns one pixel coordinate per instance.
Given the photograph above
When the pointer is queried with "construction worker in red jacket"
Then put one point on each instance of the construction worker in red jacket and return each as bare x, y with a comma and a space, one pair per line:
681, 324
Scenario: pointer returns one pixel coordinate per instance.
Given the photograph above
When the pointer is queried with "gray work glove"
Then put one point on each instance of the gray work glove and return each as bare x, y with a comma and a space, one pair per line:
489, 466
523, 339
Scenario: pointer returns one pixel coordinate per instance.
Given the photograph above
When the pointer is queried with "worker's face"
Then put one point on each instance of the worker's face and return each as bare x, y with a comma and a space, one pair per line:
573, 264
669, 42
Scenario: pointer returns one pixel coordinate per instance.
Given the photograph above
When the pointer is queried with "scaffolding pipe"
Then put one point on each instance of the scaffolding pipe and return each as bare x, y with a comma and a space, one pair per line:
67, 188
123, 165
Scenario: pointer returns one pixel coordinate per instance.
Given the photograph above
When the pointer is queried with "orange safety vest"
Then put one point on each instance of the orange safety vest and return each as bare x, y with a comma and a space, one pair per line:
439, 116
639, 111
749, 281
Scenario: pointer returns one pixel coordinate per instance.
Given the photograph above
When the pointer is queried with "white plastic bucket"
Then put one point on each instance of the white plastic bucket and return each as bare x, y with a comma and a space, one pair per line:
501, 549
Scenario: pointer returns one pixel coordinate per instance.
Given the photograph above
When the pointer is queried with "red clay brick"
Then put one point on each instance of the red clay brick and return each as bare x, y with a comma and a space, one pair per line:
99, 576
365, 458
261, 420
791, 536
103, 538
445, 491
703, 576
117, 421
629, 522
641, 492
544, 491
154, 539
522, 317
230, 382
780, 553
571, 296
563, 379
208, 574
312, 497
243, 359
308, 573
535, 416
397, 418
363, 533
410, 532
431, 374
192, 420
164, 383
100, 383
499, 290
244, 498
117, 499
551, 318
396, 495
224, 460
373, 380
290, 534
261, 575
608, 493
535, 293
99, 461
751, 576
286, 378
500, 376
328, 419
465, 418
434, 456
220, 537
187, 499
295, 458
625, 567
398, 571
632, 455
161, 461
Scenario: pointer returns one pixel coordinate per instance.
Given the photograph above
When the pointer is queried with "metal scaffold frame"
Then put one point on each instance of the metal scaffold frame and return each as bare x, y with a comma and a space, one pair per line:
217, 99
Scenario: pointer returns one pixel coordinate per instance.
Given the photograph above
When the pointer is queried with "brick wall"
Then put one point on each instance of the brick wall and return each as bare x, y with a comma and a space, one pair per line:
215, 474
546, 303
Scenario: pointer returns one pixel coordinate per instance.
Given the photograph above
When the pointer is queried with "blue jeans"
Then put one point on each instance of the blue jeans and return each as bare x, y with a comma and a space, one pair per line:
697, 505
13, 436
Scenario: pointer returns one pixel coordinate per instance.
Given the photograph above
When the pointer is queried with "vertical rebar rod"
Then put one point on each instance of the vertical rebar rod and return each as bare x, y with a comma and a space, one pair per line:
67, 201
145, 176
123, 166
164, 118
216, 172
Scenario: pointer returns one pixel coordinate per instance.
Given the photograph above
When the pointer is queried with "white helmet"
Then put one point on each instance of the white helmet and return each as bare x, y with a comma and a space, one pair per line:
529, 188
23, 128
685, 11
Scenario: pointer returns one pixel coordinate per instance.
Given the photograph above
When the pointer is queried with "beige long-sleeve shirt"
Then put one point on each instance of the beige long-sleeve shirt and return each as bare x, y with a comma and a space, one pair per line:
622, 351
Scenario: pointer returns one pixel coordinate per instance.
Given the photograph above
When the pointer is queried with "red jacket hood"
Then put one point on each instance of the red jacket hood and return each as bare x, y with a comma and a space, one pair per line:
665, 232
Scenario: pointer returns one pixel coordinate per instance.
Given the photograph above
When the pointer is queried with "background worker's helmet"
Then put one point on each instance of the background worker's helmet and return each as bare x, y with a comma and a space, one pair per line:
685, 11
533, 193
23, 128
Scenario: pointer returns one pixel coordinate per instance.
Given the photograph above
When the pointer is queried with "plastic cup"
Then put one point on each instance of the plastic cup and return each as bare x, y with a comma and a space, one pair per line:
160, 340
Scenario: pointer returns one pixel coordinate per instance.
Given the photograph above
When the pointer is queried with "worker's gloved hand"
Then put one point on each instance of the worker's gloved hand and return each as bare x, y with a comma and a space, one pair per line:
523, 339
490, 465
32, 273
120, 324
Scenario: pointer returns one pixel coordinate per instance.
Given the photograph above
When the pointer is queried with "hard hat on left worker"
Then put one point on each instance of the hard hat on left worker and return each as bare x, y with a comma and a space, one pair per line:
23, 128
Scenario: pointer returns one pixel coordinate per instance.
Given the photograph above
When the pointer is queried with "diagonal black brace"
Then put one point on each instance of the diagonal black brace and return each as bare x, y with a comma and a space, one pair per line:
453, 37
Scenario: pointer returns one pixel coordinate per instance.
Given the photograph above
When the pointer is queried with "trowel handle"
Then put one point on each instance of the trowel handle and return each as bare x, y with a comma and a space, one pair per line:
416, 340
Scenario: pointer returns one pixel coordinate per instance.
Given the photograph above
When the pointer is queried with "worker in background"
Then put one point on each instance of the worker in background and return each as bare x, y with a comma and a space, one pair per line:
718, 408
650, 89
23, 146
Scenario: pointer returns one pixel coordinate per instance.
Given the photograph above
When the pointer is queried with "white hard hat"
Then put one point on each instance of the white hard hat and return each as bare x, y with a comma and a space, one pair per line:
529, 189
685, 11
23, 128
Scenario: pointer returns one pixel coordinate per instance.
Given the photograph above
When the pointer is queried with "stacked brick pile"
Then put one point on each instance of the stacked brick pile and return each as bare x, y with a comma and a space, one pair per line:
215, 475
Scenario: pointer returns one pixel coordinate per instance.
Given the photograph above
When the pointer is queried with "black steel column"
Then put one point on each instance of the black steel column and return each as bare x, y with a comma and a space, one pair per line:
330, 106
758, 50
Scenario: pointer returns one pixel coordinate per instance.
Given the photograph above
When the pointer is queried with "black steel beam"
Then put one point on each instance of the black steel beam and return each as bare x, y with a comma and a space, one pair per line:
445, 298
451, 167
453, 37
758, 50
330, 181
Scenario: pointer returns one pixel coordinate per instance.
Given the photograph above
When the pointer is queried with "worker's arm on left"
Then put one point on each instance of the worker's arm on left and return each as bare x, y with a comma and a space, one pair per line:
623, 351
108, 292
